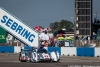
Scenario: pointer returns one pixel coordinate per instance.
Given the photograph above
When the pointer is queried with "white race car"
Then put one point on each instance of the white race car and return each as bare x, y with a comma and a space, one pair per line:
38, 54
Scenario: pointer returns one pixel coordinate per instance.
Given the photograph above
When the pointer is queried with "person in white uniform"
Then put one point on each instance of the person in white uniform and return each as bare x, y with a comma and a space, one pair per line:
43, 37
9, 39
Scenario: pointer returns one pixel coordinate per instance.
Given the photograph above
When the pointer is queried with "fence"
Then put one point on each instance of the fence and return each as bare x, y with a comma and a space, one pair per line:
87, 43
79, 43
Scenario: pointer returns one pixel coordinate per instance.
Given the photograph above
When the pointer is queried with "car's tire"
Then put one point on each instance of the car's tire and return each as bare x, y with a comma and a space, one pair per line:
58, 61
31, 59
51, 61
23, 61
20, 59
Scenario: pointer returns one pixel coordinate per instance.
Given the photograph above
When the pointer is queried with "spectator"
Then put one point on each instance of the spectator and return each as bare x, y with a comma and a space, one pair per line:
41, 36
50, 35
55, 42
92, 44
44, 38
9, 39
46, 44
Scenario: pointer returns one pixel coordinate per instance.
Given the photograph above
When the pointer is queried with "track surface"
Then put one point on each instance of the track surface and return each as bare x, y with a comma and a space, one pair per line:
11, 60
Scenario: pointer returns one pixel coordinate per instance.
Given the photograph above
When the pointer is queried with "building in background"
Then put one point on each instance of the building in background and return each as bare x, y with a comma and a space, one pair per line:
83, 20
83, 17
52, 26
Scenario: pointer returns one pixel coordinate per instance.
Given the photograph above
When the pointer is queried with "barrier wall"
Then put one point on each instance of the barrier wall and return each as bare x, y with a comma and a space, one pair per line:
6, 49
97, 52
85, 51
67, 51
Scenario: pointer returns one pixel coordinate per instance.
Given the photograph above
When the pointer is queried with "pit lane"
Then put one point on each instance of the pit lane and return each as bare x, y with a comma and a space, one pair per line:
11, 60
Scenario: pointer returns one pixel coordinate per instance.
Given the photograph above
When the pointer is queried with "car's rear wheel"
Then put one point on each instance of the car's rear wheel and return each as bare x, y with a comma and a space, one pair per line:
20, 58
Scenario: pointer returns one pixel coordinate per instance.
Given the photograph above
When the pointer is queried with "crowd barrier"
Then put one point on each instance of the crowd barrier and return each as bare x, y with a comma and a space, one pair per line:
66, 51
7, 49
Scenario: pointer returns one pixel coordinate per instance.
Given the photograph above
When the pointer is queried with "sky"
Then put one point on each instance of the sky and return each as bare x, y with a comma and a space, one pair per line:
43, 12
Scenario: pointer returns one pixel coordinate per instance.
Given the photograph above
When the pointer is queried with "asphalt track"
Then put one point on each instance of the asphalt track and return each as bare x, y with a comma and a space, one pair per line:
11, 60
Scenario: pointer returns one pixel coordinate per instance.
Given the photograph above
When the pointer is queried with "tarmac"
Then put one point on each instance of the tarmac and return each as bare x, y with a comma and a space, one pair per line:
11, 60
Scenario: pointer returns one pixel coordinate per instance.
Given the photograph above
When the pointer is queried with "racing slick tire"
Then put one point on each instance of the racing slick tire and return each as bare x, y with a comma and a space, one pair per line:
58, 60
31, 58
20, 59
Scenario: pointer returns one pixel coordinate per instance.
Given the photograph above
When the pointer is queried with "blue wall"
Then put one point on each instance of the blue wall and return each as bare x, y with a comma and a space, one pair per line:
7, 49
85, 51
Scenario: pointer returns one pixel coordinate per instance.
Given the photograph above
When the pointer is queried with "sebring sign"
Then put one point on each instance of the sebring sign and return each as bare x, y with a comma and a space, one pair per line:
18, 29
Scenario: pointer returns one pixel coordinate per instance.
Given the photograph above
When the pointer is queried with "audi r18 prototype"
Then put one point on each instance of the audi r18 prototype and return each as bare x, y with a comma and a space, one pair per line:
38, 54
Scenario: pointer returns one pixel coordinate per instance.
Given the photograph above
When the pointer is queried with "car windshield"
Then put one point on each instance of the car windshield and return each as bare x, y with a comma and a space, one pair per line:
42, 51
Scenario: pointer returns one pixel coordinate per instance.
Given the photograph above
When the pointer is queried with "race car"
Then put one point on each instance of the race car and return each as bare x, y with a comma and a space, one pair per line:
38, 54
